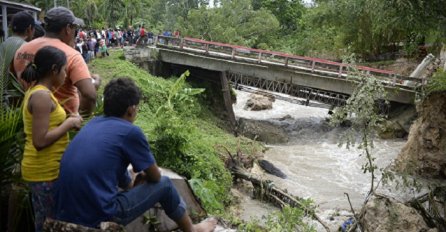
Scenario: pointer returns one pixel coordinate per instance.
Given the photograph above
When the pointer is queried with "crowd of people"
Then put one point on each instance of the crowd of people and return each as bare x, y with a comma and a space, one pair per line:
84, 181
92, 43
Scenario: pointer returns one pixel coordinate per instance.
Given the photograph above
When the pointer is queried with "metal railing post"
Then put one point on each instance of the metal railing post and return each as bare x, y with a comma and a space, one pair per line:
286, 61
340, 70
181, 43
259, 59
313, 63
206, 47
233, 53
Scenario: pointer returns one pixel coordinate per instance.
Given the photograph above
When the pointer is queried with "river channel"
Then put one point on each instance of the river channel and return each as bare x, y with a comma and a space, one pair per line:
316, 166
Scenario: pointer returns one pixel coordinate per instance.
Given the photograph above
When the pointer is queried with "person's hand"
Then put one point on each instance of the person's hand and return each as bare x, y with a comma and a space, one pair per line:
96, 79
139, 179
75, 121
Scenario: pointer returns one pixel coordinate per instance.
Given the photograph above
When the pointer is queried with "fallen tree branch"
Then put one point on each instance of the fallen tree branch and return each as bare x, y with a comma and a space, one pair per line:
351, 206
420, 199
276, 195
431, 216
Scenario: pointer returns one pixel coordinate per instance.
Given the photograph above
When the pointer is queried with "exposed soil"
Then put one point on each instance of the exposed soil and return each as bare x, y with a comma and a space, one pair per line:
425, 151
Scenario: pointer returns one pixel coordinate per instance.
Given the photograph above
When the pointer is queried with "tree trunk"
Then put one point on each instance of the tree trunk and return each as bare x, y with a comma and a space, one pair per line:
275, 195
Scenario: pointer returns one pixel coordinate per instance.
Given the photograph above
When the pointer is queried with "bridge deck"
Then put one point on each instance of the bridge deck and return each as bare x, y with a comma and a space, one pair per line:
314, 73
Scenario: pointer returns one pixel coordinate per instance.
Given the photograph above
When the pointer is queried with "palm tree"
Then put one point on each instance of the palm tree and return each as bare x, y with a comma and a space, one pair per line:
132, 9
112, 10
86, 9
11, 133
11, 137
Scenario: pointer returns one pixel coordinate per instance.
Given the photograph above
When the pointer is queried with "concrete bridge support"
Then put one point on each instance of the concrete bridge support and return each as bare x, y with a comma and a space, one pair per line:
218, 91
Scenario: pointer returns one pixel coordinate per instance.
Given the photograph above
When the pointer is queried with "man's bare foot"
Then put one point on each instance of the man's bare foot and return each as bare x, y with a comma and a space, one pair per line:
207, 225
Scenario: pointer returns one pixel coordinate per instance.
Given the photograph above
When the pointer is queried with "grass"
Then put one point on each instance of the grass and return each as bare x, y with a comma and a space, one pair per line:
192, 130
437, 83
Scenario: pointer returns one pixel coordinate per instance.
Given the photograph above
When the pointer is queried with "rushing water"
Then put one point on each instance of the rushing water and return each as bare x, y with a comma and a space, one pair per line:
314, 163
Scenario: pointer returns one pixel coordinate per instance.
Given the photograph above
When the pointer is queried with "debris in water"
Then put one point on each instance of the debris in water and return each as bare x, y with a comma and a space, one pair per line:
271, 169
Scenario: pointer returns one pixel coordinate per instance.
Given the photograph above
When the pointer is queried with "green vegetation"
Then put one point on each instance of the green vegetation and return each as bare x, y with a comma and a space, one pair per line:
362, 110
14, 197
437, 83
183, 135
325, 28
289, 219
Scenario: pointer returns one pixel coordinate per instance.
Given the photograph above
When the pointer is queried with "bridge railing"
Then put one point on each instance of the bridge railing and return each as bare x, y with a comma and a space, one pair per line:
310, 64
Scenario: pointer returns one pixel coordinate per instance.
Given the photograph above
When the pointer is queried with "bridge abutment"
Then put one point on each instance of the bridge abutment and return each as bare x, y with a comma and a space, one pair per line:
218, 93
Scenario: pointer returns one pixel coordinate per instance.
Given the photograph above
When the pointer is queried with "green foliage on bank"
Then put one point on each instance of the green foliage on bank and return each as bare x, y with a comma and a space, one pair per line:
181, 131
437, 83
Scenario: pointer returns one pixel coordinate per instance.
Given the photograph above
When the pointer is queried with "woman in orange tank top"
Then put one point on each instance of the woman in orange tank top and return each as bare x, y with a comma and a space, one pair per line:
46, 128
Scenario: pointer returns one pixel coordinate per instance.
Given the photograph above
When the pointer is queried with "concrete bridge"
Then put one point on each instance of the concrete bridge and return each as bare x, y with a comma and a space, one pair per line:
310, 78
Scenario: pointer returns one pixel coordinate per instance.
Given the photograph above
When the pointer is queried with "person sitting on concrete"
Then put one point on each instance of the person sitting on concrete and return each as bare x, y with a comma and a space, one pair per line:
95, 164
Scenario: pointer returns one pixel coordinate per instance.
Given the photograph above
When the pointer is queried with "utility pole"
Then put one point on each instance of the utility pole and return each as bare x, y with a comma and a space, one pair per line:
55, 3
68, 4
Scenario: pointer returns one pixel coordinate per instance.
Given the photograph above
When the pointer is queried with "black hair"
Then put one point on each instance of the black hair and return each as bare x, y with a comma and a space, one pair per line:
54, 27
46, 60
39, 31
119, 94
21, 21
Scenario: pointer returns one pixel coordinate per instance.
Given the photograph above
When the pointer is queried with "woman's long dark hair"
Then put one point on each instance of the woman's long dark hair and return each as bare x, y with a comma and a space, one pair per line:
46, 60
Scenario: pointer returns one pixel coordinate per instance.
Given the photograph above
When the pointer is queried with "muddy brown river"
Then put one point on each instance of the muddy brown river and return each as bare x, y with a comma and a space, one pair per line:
316, 166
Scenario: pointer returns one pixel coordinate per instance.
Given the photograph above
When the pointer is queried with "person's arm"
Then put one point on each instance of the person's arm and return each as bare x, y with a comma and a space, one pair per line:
41, 106
126, 180
152, 173
141, 157
81, 78
87, 96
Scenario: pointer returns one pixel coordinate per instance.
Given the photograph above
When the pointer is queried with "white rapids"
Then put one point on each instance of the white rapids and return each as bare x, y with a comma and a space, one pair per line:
316, 166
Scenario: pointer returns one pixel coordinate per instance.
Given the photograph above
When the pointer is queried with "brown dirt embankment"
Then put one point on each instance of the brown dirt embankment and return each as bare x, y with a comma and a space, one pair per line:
425, 151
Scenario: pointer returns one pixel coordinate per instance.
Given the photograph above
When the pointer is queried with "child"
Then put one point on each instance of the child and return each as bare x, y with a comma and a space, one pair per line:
103, 48
46, 128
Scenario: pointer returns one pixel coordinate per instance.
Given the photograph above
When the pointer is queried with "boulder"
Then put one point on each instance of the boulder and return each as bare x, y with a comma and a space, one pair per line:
398, 125
390, 130
257, 102
383, 214
263, 131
